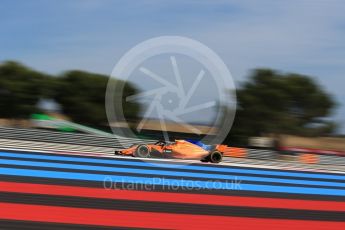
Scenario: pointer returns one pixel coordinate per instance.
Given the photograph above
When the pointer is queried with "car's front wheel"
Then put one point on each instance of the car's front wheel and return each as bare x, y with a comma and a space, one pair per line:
142, 151
215, 157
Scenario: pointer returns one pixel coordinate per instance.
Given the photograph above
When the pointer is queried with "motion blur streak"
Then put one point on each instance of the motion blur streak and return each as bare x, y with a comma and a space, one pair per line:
45, 190
171, 197
151, 220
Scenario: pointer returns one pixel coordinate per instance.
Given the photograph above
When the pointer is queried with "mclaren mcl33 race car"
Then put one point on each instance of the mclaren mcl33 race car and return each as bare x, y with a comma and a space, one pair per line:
179, 149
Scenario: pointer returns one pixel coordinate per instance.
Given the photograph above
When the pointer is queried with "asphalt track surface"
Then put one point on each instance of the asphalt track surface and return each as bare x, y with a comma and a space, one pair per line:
60, 191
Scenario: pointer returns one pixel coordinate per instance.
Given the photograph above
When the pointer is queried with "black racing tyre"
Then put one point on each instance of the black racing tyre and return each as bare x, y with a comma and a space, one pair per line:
215, 157
142, 151
205, 159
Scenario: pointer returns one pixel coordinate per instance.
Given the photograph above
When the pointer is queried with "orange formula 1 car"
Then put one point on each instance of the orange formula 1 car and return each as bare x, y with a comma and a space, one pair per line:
179, 149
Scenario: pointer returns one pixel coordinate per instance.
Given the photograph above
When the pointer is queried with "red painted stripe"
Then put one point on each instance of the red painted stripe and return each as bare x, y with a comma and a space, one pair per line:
86, 216
171, 197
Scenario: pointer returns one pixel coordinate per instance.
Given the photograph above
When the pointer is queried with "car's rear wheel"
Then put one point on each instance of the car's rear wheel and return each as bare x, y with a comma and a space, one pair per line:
142, 151
215, 157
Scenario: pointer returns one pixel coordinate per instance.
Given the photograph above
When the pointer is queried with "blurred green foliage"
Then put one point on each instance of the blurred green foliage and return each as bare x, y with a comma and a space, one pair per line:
80, 94
274, 103
20, 90
268, 103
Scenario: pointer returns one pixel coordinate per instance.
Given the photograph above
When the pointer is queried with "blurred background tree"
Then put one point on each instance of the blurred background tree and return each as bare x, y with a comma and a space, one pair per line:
268, 103
80, 94
82, 97
20, 90
274, 103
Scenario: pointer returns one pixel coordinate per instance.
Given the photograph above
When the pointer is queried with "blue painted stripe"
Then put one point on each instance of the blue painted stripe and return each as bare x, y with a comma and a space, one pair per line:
177, 166
168, 173
187, 184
